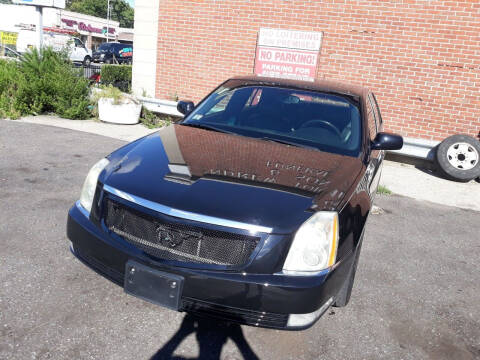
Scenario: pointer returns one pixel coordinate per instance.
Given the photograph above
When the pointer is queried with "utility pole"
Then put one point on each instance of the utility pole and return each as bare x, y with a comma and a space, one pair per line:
39, 10
108, 20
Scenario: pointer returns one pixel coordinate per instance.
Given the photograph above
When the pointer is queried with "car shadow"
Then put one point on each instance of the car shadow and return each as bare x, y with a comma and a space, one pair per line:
431, 172
439, 175
211, 336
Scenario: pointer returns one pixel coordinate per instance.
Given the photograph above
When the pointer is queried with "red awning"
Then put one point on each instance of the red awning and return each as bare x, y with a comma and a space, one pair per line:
59, 31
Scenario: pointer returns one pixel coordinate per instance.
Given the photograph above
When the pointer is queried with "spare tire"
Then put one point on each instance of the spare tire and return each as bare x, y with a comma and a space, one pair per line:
458, 157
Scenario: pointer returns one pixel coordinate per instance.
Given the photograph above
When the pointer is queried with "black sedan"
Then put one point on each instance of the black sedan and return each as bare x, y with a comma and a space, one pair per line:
250, 210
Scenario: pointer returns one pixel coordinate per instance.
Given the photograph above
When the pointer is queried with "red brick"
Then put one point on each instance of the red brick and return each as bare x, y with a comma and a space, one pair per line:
419, 49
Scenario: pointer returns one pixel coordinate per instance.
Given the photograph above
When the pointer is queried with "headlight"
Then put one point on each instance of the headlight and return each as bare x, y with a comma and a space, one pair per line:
314, 247
90, 184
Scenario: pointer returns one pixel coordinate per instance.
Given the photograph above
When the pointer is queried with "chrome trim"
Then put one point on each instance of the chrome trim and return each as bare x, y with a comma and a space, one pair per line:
304, 273
186, 214
82, 209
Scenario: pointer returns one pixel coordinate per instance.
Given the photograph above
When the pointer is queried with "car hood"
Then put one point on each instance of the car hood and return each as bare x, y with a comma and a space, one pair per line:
232, 177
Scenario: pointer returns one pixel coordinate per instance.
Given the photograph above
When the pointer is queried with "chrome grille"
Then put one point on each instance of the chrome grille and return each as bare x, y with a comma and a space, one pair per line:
179, 242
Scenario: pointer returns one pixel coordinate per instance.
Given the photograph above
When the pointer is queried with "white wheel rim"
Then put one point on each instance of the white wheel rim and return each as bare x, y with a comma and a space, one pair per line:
462, 156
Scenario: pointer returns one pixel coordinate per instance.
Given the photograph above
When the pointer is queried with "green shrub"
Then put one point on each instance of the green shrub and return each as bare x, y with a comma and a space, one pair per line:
119, 76
10, 81
152, 120
44, 82
109, 92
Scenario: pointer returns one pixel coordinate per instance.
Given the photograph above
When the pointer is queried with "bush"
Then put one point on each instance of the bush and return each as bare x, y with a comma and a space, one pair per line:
10, 81
119, 76
152, 120
44, 82
109, 92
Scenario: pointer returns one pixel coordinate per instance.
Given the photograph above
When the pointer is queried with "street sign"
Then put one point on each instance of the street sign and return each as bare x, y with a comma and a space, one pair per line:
287, 54
8, 38
43, 3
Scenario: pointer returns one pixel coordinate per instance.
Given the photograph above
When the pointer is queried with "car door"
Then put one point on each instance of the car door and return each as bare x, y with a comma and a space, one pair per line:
374, 168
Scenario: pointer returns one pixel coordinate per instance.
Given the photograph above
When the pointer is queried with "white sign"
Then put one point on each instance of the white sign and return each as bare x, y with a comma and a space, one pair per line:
290, 39
287, 54
44, 3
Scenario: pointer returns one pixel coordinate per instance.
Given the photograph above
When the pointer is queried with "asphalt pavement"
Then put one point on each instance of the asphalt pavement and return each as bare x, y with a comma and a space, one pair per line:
416, 295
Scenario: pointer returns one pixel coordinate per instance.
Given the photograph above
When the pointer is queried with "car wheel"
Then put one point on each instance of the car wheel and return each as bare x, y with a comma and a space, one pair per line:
458, 157
87, 61
343, 296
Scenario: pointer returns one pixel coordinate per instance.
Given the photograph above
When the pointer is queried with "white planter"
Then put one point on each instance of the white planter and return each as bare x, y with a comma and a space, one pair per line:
126, 114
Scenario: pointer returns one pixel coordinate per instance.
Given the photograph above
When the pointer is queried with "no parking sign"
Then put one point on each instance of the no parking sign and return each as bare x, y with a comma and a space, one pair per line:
287, 53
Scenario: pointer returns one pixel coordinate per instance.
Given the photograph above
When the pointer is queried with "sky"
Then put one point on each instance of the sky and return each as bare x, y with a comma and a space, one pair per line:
131, 2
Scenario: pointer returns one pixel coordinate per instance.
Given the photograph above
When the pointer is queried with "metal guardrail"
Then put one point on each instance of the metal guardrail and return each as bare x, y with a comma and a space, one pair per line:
418, 148
167, 107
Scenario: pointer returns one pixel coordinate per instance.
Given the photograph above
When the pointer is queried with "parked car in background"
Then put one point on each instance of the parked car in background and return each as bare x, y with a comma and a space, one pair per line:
113, 53
76, 49
8, 54
250, 210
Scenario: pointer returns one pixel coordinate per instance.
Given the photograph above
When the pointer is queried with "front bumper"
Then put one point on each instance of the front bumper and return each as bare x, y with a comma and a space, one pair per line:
98, 58
264, 300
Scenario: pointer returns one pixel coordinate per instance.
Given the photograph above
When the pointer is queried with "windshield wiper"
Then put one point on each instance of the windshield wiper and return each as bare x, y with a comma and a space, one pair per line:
286, 142
207, 127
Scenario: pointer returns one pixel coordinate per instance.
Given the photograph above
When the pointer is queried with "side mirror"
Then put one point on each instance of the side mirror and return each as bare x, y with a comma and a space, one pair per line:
185, 107
387, 141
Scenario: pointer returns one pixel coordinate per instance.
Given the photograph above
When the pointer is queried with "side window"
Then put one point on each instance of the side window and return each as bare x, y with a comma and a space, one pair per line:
78, 43
372, 122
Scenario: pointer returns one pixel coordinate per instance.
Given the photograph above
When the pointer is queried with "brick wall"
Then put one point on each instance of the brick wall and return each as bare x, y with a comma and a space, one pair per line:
420, 57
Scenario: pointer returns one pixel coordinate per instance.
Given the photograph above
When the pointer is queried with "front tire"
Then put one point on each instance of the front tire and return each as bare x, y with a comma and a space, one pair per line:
343, 296
458, 158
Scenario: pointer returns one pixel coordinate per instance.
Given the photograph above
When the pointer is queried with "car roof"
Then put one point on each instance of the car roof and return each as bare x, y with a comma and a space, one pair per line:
332, 86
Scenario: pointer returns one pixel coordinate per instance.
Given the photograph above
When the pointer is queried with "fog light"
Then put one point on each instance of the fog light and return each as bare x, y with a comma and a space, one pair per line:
301, 320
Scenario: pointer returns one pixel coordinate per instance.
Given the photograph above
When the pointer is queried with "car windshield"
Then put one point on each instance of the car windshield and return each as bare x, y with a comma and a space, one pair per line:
309, 119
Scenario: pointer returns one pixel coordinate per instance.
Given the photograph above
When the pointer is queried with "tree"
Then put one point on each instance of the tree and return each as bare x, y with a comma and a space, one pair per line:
121, 10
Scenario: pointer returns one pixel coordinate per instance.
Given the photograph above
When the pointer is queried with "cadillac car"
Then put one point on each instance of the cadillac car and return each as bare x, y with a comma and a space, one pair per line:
252, 209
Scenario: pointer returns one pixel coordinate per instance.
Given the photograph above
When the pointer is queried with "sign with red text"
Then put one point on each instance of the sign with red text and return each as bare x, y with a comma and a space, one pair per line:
287, 54
88, 28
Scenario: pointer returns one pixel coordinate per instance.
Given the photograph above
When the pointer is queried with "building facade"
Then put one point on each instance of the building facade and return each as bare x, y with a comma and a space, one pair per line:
421, 58
92, 30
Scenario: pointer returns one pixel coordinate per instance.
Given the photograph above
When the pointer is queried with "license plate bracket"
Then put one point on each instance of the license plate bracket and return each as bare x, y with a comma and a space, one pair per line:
152, 285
